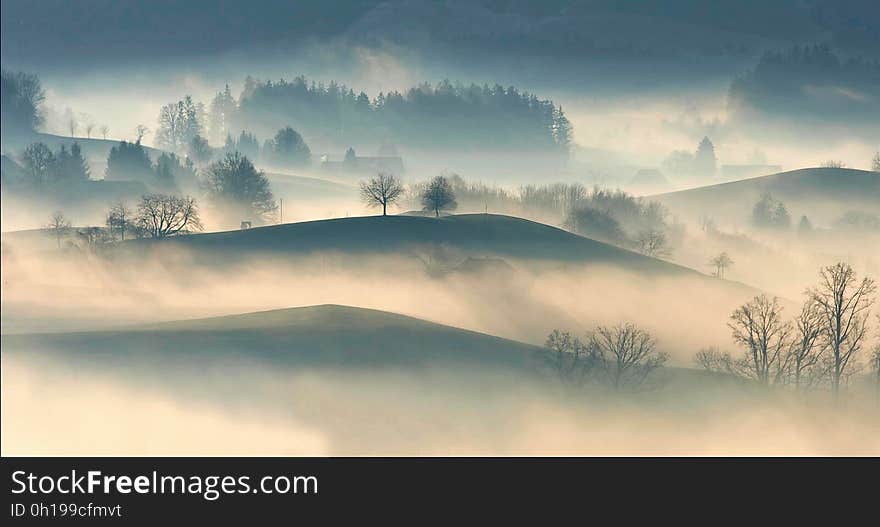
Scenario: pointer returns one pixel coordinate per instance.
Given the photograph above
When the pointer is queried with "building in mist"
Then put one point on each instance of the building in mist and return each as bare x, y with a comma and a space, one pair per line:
351, 163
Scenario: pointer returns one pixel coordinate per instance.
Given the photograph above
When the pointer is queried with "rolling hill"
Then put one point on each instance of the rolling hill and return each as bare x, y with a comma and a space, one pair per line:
823, 194
315, 336
479, 235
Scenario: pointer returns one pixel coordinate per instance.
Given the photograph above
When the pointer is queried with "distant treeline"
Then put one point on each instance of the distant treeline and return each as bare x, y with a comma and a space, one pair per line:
449, 115
811, 81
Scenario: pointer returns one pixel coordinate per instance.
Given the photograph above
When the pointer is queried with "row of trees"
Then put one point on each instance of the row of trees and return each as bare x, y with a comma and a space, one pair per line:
42, 166
772, 214
154, 216
623, 357
612, 216
769, 213
819, 346
426, 115
131, 162
383, 190
184, 128
621, 219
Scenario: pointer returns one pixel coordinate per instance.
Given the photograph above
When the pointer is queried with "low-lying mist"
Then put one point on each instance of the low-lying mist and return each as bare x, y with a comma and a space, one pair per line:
48, 290
247, 409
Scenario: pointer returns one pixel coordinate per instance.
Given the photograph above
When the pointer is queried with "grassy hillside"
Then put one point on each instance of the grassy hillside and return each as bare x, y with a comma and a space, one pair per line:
317, 336
820, 193
475, 234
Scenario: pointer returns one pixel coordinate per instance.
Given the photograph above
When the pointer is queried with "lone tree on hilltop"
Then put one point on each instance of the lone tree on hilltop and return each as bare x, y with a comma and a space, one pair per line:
438, 195
381, 191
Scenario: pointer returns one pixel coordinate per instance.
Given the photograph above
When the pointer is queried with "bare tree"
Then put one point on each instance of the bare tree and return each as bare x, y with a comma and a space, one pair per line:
803, 358
72, 125
140, 131
438, 195
844, 304
833, 163
758, 326
628, 354
104, 131
59, 225
721, 263
571, 359
714, 360
160, 215
875, 162
120, 219
89, 128
381, 191
653, 243
38, 160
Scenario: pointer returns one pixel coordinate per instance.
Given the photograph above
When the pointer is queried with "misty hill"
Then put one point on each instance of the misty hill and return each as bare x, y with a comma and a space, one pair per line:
304, 187
319, 336
95, 150
475, 234
92, 147
822, 194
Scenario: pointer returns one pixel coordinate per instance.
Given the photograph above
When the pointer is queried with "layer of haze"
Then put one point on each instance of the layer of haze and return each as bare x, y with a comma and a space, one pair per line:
250, 410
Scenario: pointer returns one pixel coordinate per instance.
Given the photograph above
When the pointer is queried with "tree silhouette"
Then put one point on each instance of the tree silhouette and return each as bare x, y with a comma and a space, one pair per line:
653, 243
438, 195
381, 191
21, 96
721, 263
628, 354
705, 162
120, 219
129, 161
178, 123
844, 303
807, 347
59, 225
161, 215
288, 147
38, 161
140, 131
758, 326
234, 184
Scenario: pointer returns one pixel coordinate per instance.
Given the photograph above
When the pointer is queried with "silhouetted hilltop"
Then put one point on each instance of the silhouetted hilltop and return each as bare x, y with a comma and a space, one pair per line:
474, 234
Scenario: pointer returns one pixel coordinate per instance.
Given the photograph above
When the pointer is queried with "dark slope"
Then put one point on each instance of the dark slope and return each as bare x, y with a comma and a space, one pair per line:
476, 234
822, 192
317, 336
